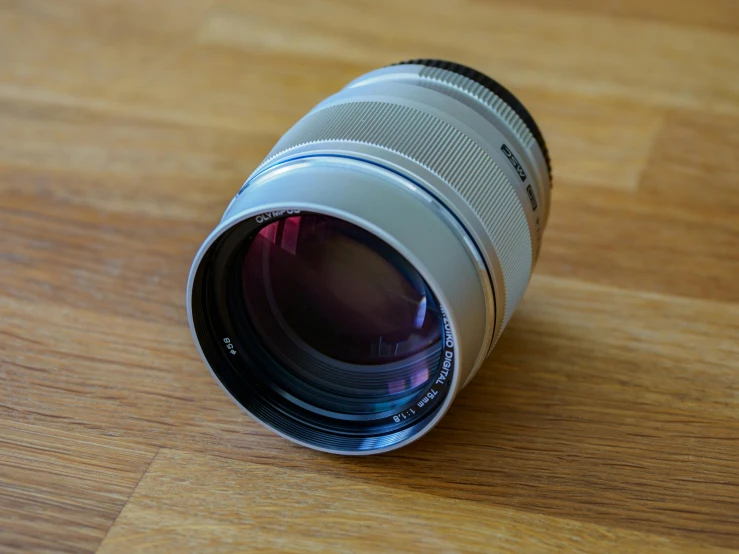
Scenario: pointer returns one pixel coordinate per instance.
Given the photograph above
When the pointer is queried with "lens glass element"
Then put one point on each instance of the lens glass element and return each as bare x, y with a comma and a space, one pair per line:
354, 326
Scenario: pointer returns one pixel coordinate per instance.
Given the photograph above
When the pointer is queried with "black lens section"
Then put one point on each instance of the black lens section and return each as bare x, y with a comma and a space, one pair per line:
353, 325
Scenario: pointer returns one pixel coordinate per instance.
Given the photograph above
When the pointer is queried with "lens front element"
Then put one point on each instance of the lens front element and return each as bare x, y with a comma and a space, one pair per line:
354, 325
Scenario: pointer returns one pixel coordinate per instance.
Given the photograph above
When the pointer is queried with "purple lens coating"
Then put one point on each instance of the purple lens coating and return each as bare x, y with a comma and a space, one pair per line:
344, 312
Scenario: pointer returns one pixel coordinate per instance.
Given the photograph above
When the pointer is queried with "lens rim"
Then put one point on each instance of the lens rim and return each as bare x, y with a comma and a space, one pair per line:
236, 375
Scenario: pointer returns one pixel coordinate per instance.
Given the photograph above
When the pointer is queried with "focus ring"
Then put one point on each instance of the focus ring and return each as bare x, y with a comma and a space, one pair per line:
489, 92
445, 151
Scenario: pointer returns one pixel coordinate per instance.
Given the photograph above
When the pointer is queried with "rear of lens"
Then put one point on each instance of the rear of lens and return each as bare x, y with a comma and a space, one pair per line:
354, 326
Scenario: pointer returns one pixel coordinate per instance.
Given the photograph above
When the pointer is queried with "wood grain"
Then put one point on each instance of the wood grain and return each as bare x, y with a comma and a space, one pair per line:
177, 505
61, 492
656, 63
719, 14
596, 141
607, 418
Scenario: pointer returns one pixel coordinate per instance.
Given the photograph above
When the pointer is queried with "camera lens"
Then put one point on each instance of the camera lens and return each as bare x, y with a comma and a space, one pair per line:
366, 269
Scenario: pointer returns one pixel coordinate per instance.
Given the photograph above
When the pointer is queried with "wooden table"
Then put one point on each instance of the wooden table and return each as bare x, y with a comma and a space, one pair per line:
606, 420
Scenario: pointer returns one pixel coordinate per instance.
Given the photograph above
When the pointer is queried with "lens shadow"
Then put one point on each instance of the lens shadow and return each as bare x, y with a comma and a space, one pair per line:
502, 435
562, 420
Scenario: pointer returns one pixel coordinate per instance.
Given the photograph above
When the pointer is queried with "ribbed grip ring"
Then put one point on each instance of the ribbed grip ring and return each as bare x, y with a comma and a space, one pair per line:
496, 96
445, 151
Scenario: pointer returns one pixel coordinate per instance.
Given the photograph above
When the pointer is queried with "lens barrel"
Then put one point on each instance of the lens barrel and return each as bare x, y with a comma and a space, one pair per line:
366, 269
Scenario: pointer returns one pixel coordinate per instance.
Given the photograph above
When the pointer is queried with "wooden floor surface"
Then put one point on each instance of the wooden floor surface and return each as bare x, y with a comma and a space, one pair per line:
607, 419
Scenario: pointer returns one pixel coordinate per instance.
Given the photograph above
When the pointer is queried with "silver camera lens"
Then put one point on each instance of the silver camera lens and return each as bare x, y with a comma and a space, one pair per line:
366, 269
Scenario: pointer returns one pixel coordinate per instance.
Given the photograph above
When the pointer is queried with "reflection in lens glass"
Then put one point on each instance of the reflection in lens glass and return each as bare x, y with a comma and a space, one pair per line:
353, 323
